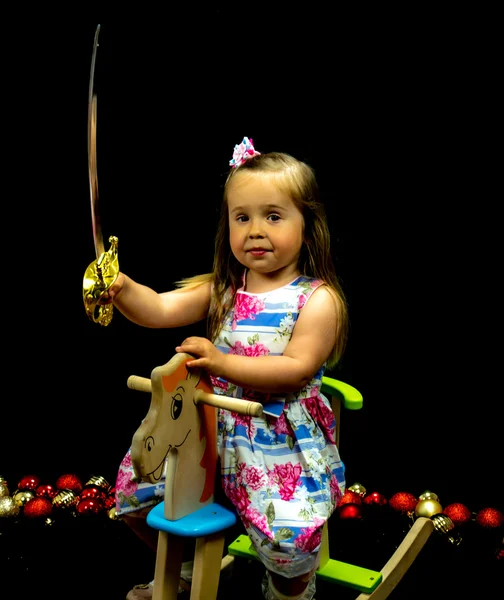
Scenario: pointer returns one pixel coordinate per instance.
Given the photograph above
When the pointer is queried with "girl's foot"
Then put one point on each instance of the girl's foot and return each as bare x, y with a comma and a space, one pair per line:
144, 591
271, 593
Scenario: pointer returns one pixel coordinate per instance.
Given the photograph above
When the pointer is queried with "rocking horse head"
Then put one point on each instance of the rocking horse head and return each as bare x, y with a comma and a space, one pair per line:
178, 438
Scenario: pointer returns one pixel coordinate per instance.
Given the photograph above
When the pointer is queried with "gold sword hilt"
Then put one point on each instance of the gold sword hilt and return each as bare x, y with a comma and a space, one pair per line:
98, 278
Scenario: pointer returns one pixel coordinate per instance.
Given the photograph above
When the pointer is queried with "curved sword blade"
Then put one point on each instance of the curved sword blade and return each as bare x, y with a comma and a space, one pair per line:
92, 162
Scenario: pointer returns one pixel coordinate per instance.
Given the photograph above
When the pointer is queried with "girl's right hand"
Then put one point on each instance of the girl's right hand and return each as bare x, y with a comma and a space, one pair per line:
114, 289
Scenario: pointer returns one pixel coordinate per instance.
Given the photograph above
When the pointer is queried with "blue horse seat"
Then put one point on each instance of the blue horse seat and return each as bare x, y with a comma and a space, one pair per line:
207, 520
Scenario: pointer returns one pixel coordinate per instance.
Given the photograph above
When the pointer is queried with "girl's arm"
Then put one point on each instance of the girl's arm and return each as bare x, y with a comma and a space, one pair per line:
311, 343
148, 308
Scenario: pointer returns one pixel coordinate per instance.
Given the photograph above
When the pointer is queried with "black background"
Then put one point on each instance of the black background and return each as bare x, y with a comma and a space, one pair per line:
401, 128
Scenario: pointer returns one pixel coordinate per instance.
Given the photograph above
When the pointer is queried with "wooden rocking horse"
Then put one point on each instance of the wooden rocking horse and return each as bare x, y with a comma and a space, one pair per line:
179, 432
177, 438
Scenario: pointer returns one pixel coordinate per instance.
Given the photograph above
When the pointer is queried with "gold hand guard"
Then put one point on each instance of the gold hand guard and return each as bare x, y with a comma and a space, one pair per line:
98, 278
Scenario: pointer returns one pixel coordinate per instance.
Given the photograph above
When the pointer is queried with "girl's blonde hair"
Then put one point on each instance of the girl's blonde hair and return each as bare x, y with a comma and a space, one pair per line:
297, 180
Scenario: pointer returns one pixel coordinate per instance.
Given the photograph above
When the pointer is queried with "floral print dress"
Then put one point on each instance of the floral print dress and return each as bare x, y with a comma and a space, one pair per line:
281, 471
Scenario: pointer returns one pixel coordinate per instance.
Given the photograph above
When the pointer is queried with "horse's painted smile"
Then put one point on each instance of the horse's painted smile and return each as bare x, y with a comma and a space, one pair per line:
157, 473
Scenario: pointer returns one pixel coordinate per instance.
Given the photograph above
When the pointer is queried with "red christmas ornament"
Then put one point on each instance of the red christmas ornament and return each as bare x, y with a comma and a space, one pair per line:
89, 506
403, 502
375, 499
38, 508
109, 501
350, 511
92, 492
490, 518
458, 513
46, 491
350, 497
69, 482
28, 482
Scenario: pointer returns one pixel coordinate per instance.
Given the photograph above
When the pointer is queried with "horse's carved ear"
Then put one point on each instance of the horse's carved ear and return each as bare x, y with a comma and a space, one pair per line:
194, 376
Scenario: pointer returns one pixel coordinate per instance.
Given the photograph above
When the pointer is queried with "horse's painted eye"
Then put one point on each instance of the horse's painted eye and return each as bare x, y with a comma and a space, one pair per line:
176, 406
149, 443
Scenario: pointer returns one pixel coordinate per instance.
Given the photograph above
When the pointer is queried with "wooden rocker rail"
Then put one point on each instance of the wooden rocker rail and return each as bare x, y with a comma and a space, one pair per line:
373, 585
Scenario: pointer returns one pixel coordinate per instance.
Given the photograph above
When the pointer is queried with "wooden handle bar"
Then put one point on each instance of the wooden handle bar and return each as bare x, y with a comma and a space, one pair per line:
142, 384
244, 407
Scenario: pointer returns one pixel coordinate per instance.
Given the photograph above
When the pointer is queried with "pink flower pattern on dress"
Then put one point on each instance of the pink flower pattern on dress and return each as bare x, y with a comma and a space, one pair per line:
124, 483
282, 426
287, 478
301, 301
335, 489
259, 520
303, 297
311, 536
254, 350
246, 421
239, 349
257, 350
246, 307
219, 383
250, 476
238, 496
253, 478
322, 415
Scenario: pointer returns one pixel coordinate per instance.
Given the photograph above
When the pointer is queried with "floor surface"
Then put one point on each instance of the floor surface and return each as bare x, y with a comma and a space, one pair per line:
96, 558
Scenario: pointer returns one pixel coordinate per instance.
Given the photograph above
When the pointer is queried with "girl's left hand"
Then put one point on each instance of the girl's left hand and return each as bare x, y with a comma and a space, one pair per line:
207, 355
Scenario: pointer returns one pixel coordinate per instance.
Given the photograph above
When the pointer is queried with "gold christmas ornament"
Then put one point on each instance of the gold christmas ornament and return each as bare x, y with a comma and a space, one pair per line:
65, 499
8, 508
445, 526
112, 515
427, 495
358, 488
4, 490
428, 508
22, 497
99, 481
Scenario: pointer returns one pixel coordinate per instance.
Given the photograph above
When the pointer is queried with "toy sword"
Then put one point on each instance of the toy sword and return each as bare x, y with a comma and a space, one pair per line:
103, 271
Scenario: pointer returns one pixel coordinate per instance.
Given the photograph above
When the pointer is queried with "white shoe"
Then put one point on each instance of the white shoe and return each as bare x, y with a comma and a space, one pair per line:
145, 591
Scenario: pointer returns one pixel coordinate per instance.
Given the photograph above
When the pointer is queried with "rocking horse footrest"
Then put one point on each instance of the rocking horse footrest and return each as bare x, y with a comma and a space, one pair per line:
207, 520
357, 578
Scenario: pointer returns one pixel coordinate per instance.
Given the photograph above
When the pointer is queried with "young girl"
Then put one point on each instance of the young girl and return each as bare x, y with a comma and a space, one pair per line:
276, 319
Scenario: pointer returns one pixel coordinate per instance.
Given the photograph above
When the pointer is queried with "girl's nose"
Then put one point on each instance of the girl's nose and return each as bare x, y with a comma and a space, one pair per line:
255, 233
255, 230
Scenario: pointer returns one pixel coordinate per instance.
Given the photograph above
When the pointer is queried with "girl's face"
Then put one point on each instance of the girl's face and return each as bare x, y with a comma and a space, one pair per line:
265, 226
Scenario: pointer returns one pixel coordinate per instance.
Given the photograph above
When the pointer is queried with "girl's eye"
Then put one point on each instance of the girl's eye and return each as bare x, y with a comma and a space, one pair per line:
242, 219
274, 217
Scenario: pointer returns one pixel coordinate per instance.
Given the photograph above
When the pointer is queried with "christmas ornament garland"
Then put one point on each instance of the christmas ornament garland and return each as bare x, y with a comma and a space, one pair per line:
450, 521
36, 500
